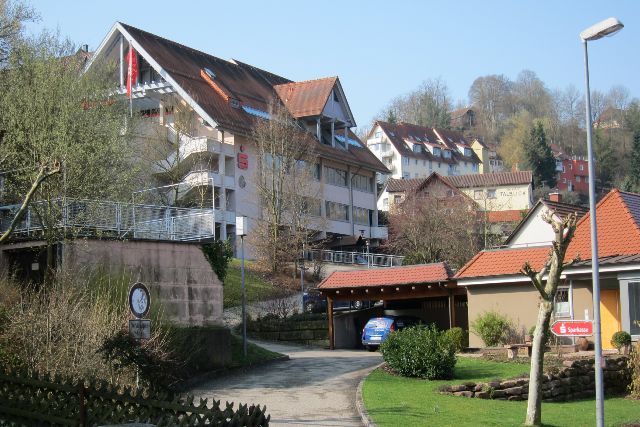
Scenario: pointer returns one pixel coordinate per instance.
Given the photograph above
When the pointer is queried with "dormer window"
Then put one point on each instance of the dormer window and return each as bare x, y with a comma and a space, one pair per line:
436, 151
417, 148
467, 152
446, 154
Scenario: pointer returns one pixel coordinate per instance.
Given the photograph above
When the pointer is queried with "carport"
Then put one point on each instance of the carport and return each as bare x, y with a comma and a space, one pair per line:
423, 284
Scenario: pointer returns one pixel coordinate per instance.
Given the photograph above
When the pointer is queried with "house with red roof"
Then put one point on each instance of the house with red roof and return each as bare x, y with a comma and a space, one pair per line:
494, 281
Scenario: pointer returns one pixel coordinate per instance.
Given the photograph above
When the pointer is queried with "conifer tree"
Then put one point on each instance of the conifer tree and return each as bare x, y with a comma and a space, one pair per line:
539, 157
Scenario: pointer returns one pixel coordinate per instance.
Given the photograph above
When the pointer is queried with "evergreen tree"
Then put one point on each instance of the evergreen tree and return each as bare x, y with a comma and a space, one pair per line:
632, 181
539, 157
605, 163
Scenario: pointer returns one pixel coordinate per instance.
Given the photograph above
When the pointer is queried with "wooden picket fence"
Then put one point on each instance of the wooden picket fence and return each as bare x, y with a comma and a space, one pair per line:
32, 399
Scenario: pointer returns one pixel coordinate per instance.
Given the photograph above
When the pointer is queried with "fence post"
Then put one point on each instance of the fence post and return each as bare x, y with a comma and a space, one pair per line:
83, 406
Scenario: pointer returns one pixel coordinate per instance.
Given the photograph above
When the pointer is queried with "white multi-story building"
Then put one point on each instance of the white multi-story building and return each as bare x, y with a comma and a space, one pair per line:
217, 155
412, 151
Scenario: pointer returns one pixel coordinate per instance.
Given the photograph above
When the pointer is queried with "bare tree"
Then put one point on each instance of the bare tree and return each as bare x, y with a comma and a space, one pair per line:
288, 189
428, 105
434, 227
492, 96
564, 230
531, 94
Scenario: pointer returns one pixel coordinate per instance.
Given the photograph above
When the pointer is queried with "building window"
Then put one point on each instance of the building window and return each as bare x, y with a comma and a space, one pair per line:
378, 134
577, 178
634, 308
361, 216
430, 165
474, 167
312, 207
335, 176
491, 193
581, 167
385, 202
417, 148
397, 199
405, 161
477, 194
415, 162
563, 302
436, 151
337, 211
362, 183
446, 154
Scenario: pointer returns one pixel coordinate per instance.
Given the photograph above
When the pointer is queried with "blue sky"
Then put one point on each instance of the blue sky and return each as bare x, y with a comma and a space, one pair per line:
381, 49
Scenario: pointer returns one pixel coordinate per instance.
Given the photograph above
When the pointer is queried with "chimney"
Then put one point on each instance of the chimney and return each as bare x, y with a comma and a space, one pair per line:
555, 197
85, 48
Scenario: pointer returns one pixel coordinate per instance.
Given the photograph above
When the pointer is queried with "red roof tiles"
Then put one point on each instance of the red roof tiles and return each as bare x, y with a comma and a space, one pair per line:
392, 276
618, 218
489, 179
306, 98
503, 262
504, 216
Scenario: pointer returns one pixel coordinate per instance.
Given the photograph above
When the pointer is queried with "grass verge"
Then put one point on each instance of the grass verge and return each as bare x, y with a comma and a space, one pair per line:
393, 400
255, 353
258, 289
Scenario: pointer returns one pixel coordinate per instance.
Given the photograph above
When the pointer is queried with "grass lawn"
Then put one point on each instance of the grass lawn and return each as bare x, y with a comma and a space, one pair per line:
255, 353
258, 289
397, 401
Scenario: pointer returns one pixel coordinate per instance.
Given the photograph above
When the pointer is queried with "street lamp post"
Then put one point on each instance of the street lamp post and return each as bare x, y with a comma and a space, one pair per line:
241, 231
604, 28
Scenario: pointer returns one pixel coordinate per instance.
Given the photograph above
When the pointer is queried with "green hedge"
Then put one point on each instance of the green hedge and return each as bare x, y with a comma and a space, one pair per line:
421, 351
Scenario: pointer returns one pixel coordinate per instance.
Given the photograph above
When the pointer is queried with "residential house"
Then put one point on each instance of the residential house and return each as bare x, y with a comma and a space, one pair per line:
228, 98
505, 191
494, 280
412, 151
463, 119
573, 172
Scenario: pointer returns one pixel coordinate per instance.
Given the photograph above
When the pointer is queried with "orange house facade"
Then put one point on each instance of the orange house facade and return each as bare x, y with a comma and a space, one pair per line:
494, 282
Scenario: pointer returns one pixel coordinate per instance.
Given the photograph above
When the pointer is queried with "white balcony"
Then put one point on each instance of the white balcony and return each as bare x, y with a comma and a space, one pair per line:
387, 154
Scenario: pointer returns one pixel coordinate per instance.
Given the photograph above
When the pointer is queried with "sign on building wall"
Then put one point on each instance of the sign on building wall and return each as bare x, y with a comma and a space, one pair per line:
243, 159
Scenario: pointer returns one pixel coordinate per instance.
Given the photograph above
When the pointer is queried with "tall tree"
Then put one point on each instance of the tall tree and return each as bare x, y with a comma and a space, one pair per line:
539, 157
632, 180
13, 16
606, 162
563, 230
428, 105
52, 116
435, 227
531, 94
492, 96
287, 187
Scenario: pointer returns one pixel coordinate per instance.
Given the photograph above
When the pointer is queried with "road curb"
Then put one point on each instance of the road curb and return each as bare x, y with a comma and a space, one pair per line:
362, 410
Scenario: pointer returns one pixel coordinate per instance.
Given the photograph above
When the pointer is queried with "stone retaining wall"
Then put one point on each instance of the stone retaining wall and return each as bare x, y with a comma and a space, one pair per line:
312, 332
576, 380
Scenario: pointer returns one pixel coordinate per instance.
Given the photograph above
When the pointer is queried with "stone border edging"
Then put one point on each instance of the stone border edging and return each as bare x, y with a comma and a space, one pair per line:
362, 410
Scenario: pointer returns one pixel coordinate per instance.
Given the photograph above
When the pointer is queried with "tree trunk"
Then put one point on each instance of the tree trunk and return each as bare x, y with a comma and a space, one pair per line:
534, 403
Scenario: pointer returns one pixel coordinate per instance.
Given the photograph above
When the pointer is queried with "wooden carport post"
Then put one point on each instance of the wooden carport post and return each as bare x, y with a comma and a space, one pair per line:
330, 317
452, 309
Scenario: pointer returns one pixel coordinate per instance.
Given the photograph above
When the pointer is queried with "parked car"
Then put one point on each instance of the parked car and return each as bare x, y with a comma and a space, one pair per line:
314, 302
378, 329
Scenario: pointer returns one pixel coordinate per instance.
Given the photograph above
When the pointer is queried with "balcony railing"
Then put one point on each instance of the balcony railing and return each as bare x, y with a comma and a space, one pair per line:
94, 218
354, 258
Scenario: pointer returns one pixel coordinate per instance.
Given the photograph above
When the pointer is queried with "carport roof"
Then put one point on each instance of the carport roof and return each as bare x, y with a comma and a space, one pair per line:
392, 276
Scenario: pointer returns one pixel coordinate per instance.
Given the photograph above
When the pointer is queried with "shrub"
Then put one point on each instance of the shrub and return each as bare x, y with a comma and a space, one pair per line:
459, 338
219, 254
492, 327
421, 351
620, 339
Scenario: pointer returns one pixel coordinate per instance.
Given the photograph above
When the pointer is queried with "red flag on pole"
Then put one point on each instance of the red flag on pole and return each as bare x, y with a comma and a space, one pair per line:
132, 69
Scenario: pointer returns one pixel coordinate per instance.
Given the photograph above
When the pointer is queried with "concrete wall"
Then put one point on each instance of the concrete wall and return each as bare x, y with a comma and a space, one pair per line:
177, 274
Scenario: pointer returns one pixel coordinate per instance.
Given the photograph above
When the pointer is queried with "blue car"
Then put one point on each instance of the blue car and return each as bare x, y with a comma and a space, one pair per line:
378, 329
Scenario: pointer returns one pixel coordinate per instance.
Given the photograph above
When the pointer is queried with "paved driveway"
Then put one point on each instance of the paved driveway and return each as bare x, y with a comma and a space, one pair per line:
314, 388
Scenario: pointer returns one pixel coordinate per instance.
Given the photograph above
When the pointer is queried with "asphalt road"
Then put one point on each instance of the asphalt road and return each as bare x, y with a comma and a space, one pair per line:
315, 388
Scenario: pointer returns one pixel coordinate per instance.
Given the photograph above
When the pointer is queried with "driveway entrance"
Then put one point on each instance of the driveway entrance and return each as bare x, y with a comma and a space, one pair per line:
315, 388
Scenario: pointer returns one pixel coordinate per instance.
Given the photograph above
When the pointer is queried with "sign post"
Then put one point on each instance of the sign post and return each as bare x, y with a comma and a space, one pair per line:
572, 328
139, 328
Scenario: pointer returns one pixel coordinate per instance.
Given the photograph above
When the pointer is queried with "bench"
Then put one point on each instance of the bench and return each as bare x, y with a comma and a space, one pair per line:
512, 349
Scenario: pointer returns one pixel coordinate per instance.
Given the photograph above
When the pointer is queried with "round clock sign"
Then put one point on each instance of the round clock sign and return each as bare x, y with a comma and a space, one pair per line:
139, 300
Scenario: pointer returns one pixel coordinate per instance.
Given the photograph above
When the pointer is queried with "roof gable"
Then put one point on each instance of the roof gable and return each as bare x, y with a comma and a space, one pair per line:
306, 98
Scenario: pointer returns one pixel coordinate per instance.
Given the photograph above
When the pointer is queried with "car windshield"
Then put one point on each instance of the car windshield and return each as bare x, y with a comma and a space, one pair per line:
378, 323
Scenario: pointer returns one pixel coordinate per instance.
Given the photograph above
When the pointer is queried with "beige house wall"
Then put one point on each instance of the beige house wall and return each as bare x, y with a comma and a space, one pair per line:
519, 303
512, 197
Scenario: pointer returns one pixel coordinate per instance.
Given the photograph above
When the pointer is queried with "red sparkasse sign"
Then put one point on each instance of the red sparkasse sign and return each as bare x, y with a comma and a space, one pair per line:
572, 328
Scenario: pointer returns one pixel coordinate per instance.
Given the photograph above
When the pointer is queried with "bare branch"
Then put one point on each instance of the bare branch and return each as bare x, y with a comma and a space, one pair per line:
45, 172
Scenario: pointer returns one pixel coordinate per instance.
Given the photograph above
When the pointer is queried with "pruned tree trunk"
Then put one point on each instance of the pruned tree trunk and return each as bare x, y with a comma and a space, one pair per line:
534, 403
563, 230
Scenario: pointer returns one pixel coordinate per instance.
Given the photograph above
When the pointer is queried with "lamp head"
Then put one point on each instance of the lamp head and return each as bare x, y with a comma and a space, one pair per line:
608, 27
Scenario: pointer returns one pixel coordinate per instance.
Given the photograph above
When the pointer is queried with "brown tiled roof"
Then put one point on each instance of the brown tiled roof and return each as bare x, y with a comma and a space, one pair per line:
399, 132
249, 85
491, 179
306, 98
392, 276
503, 262
402, 185
504, 216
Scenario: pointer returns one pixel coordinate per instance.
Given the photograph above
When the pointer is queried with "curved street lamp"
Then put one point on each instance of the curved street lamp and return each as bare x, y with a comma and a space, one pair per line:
604, 28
